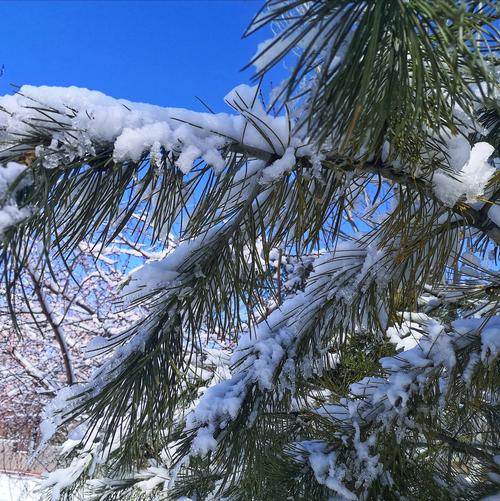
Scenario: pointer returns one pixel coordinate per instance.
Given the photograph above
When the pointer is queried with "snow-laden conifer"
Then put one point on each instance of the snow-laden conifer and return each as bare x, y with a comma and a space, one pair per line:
327, 327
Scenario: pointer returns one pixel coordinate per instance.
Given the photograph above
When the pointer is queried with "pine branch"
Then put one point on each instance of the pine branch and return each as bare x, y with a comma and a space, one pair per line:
403, 82
477, 218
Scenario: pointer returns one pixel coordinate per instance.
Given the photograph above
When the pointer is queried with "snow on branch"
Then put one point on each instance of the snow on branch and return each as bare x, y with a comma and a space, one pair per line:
266, 357
78, 121
68, 125
10, 184
379, 404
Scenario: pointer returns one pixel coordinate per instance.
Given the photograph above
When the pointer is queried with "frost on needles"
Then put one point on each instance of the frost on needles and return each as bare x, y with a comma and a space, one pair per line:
323, 321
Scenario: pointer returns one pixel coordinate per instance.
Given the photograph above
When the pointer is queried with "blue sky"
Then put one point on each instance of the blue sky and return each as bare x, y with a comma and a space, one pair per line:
163, 52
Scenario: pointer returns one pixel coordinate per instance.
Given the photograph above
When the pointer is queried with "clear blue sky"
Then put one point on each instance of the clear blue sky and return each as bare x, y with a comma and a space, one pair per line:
163, 52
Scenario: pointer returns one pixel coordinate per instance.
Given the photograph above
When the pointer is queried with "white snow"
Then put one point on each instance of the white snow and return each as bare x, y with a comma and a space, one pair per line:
272, 344
325, 468
494, 214
9, 173
490, 343
10, 213
266, 358
268, 51
469, 180
60, 479
18, 488
279, 167
136, 129
458, 149
204, 442
383, 400
404, 336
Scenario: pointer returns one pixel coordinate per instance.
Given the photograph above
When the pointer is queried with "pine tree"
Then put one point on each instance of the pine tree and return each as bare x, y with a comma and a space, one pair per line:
327, 327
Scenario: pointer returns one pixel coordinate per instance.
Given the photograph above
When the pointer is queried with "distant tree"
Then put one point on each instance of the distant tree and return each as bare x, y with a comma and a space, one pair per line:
327, 327
57, 313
